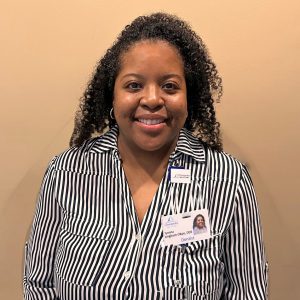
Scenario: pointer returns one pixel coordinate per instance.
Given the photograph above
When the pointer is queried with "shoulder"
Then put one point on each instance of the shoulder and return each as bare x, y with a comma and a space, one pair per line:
78, 159
75, 158
223, 165
220, 165
221, 157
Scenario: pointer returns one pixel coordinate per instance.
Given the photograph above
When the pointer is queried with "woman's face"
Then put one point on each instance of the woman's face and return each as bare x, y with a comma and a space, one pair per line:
150, 104
200, 222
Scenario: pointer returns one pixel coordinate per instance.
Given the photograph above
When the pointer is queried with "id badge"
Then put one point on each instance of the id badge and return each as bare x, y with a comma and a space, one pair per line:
179, 175
186, 227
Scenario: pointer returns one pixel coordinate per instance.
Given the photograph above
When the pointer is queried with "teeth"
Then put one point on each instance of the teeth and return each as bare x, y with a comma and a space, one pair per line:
151, 121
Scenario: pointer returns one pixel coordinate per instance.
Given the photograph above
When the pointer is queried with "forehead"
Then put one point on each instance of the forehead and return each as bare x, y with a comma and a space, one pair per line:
147, 52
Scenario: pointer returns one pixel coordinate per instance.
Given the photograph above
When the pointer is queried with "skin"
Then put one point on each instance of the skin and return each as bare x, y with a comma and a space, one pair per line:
150, 85
150, 108
200, 222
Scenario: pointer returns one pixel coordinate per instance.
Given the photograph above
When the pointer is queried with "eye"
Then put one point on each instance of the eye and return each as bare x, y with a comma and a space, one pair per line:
134, 86
170, 87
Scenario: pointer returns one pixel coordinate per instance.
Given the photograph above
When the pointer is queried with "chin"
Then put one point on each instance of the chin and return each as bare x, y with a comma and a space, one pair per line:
151, 148
153, 145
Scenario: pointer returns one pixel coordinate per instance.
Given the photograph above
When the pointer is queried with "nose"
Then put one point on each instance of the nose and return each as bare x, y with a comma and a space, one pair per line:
152, 98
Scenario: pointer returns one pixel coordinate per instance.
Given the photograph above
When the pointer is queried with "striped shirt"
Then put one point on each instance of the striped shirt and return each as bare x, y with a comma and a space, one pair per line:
86, 241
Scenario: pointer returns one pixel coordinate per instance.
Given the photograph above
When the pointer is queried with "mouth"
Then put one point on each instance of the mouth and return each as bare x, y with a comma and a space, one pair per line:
151, 121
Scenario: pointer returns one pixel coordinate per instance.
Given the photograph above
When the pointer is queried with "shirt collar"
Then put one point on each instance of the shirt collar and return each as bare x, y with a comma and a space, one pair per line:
106, 142
187, 144
190, 145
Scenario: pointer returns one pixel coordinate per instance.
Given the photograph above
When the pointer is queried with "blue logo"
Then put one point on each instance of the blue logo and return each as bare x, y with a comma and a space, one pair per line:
171, 221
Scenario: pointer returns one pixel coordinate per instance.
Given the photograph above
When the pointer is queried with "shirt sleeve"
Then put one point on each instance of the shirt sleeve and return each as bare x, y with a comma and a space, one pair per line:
245, 273
42, 243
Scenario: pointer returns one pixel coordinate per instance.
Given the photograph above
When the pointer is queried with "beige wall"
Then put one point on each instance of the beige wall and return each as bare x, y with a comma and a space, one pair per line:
48, 50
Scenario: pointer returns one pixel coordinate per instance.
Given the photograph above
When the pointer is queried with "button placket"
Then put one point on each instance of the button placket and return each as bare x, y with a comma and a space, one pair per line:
177, 282
138, 236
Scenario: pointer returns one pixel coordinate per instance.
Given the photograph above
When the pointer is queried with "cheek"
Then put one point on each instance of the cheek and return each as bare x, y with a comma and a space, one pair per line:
181, 111
124, 105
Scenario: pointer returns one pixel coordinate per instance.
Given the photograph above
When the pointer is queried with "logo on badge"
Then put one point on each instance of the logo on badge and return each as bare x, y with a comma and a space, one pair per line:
171, 221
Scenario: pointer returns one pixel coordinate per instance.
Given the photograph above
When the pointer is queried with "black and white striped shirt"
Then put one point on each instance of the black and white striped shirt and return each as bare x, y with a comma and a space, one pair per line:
86, 241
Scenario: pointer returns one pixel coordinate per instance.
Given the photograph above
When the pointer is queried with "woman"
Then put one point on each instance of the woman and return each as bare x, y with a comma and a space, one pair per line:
111, 207
199, 224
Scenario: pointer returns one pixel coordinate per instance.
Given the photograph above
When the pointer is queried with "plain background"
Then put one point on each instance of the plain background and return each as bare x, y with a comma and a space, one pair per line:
48, 52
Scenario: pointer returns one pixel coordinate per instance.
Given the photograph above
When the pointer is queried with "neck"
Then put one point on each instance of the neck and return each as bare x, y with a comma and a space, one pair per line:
147, 160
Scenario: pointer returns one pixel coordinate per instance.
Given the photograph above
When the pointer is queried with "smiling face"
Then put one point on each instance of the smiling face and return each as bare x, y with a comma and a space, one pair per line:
200, 222
150, 104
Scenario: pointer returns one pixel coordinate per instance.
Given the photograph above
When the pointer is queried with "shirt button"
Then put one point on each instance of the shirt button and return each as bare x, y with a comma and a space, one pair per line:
127, 275
181, 249
138, 237
177, 282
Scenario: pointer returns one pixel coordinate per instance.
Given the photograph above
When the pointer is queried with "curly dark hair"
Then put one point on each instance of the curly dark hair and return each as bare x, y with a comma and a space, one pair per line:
203, 82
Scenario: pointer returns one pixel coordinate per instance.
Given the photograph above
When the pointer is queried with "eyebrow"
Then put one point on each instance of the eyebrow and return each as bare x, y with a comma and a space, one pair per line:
133, 75
142, 77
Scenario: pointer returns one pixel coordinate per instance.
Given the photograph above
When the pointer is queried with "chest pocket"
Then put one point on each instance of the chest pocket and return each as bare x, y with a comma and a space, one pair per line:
195, 269
82, 250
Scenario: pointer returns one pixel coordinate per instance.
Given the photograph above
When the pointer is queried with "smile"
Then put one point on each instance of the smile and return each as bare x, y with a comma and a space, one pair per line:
151, 121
